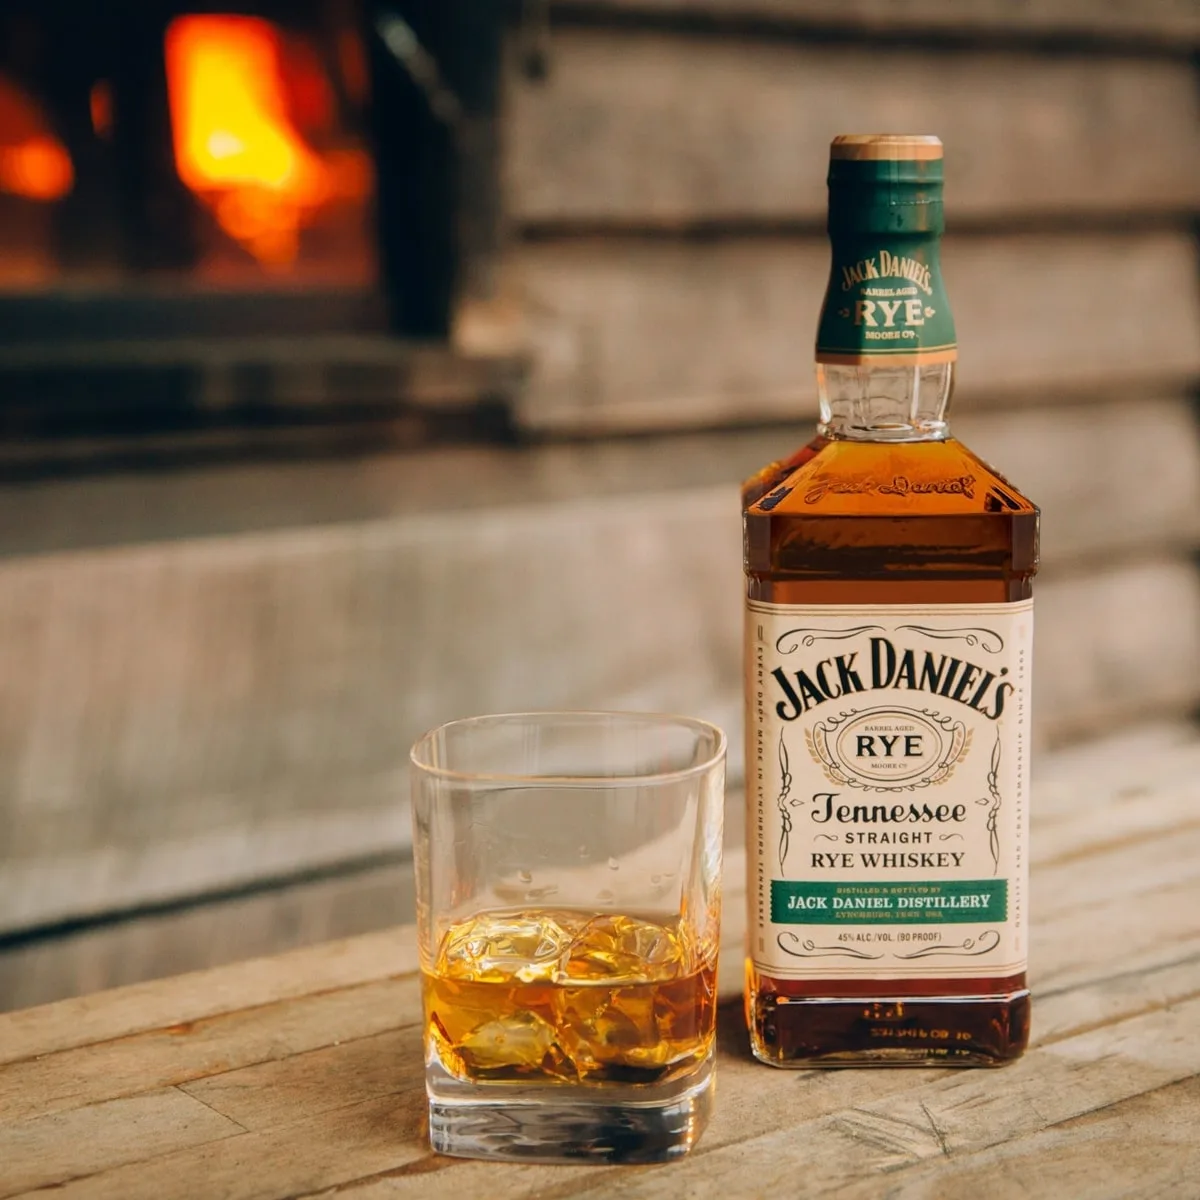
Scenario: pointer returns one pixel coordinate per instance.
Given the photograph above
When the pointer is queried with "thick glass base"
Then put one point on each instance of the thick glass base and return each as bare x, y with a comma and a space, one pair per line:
921, 1031
610, 1123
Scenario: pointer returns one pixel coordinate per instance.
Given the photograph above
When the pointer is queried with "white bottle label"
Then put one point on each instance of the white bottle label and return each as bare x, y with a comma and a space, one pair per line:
887, 768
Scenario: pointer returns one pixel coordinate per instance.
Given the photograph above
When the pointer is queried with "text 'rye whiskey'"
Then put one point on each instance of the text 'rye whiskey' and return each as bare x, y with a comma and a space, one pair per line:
889, 627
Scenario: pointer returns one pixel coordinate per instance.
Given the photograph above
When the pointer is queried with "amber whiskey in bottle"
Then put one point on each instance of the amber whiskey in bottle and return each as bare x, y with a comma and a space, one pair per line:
889, 631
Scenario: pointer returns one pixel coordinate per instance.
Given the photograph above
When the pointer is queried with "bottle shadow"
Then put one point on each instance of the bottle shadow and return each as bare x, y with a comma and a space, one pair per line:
733, 1038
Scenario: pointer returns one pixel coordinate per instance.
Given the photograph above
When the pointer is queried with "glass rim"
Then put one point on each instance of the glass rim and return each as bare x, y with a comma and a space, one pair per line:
651, 779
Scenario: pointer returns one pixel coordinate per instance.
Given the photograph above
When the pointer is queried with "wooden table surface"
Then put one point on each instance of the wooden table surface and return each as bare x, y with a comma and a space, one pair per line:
301, 1075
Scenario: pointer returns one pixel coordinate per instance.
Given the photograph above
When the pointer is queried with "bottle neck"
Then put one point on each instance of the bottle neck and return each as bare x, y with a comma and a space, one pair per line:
885, 403
886, 343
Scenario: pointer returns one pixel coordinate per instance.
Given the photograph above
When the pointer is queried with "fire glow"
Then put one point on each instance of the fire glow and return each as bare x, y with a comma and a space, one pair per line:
236, 145
34, 164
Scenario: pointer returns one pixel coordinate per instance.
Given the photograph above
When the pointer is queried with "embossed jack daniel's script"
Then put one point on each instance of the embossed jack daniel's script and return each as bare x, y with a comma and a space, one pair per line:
887, 770
899, 485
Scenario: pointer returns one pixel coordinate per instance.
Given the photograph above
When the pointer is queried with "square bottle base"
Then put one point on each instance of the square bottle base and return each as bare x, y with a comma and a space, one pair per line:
918, 1031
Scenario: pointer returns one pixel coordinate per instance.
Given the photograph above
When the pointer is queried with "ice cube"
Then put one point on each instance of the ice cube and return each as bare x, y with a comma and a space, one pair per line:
498, 948
625, 948
605, 1027
521, 1041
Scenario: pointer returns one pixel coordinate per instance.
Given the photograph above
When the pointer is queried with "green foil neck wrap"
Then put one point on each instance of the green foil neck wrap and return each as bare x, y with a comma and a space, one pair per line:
886, 301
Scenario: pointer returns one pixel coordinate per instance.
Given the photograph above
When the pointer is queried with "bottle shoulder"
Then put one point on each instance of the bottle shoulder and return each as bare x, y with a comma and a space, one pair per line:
774, 473
852, 478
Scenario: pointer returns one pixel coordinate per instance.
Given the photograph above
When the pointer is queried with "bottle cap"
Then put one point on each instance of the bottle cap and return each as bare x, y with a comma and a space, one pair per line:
885, 183
886, 301
868, 147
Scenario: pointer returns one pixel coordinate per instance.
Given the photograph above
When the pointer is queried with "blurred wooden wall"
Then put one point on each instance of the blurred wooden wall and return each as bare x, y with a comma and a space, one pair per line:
665, 181
209, 681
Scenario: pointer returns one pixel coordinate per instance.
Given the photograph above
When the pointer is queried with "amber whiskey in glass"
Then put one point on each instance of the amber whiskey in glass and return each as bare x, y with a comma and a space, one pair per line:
889, 622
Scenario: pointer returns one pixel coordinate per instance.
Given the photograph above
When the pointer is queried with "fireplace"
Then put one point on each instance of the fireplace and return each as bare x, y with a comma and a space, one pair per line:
254, 170
243, 214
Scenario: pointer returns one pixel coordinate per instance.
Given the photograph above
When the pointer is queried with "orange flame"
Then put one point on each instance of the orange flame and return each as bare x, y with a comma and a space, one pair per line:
235, 144
100, 106
33, 162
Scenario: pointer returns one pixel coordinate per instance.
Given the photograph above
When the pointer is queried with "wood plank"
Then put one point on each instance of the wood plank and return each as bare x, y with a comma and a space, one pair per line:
308, 1156
1132, 761
177, 1053
769, 1125
46, 1151
137, 948
203, 995
652, 129
932, 1119
1082, 673
270, 1094
261, 1095
1074, 1158
1059, 956
639, 335
279, 1091
1153, 22
1132, 818
478, 1178
1061, 960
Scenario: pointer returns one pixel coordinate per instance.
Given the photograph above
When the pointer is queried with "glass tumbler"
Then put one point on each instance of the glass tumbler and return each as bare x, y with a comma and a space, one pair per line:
568, 905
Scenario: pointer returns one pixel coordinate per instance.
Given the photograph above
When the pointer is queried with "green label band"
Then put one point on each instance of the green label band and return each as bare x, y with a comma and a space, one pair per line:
955, 901
886, 300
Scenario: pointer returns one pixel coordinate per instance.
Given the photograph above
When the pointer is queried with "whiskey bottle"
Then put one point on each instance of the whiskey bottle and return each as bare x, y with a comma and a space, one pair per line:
888, 649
